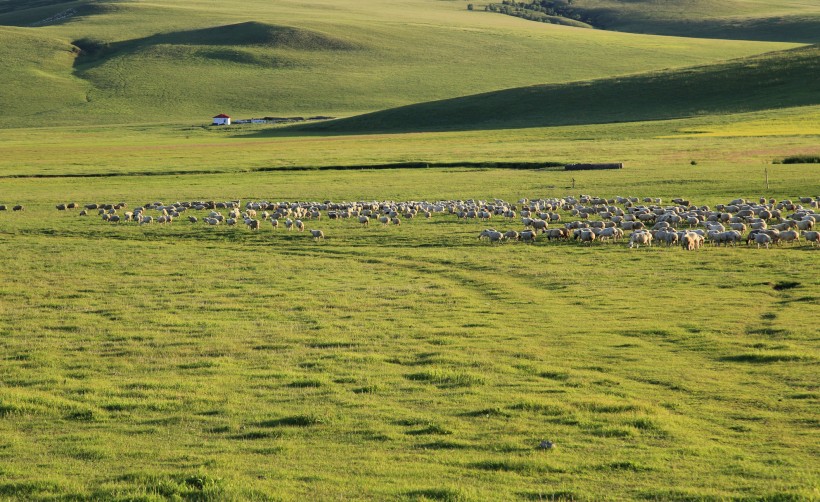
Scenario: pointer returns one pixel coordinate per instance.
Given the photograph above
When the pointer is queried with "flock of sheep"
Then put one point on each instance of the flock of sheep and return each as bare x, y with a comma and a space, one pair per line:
649, 220
585, 219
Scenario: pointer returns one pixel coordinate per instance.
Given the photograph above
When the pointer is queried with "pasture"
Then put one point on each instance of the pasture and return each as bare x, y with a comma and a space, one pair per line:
412, 362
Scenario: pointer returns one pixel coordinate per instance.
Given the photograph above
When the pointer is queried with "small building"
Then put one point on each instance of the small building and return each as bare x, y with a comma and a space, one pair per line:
222, 119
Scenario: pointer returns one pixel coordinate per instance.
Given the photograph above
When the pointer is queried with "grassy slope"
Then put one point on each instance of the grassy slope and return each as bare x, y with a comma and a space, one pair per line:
405, 52
781, 20
777, 80
38, 83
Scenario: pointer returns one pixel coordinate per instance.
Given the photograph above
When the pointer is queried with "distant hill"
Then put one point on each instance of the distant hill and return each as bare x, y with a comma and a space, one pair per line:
127, 61
776, 80
774, 20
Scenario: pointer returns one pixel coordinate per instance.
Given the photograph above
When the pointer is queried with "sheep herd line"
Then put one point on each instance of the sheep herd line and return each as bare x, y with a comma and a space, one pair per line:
585, 219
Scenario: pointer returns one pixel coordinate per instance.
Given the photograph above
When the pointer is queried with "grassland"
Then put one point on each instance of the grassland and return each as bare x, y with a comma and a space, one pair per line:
402, 363
744, 140
187, 362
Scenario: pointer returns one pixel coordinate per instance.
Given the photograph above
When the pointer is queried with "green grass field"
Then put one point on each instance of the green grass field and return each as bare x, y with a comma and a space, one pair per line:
189, 362
408, 362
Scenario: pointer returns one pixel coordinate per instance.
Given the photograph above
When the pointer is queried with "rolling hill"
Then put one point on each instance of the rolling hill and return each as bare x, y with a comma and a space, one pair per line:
777, 20
87, 62
770, 81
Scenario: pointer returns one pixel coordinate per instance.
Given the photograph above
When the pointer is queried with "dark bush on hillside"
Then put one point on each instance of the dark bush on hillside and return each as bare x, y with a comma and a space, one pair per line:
802, 159
545, 11
90, 46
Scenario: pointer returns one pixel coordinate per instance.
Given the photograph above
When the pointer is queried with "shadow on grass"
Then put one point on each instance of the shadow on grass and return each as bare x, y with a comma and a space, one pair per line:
296, 421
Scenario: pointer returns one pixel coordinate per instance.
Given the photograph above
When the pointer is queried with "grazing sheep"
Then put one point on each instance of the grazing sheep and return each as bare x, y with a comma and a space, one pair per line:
395, 220
20, 208
790, 236
558, 233
491, 235
611, 233
288, 224
274, 223
528, 236
539, 225
364, 220
762, 238
299, 225
511, 235
61, 207
813, 237
192, 219
146, 220
317, 235
640, 237
253, 224
586, 235
805, 224
671, 237
690, 241
3, 207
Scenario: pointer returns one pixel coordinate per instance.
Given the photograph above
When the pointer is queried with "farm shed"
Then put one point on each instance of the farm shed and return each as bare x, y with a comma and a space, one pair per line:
222, 119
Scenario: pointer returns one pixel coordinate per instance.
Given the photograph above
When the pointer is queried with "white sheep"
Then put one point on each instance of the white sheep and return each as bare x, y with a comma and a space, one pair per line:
762, 238
317, 235
539, 225
805, 224
640, 237
790, 236
491, 235
812, 236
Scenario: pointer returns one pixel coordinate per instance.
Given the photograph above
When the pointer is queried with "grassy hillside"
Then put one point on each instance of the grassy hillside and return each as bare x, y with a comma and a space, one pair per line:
770, 81
187, 61
780, 20
38, 84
